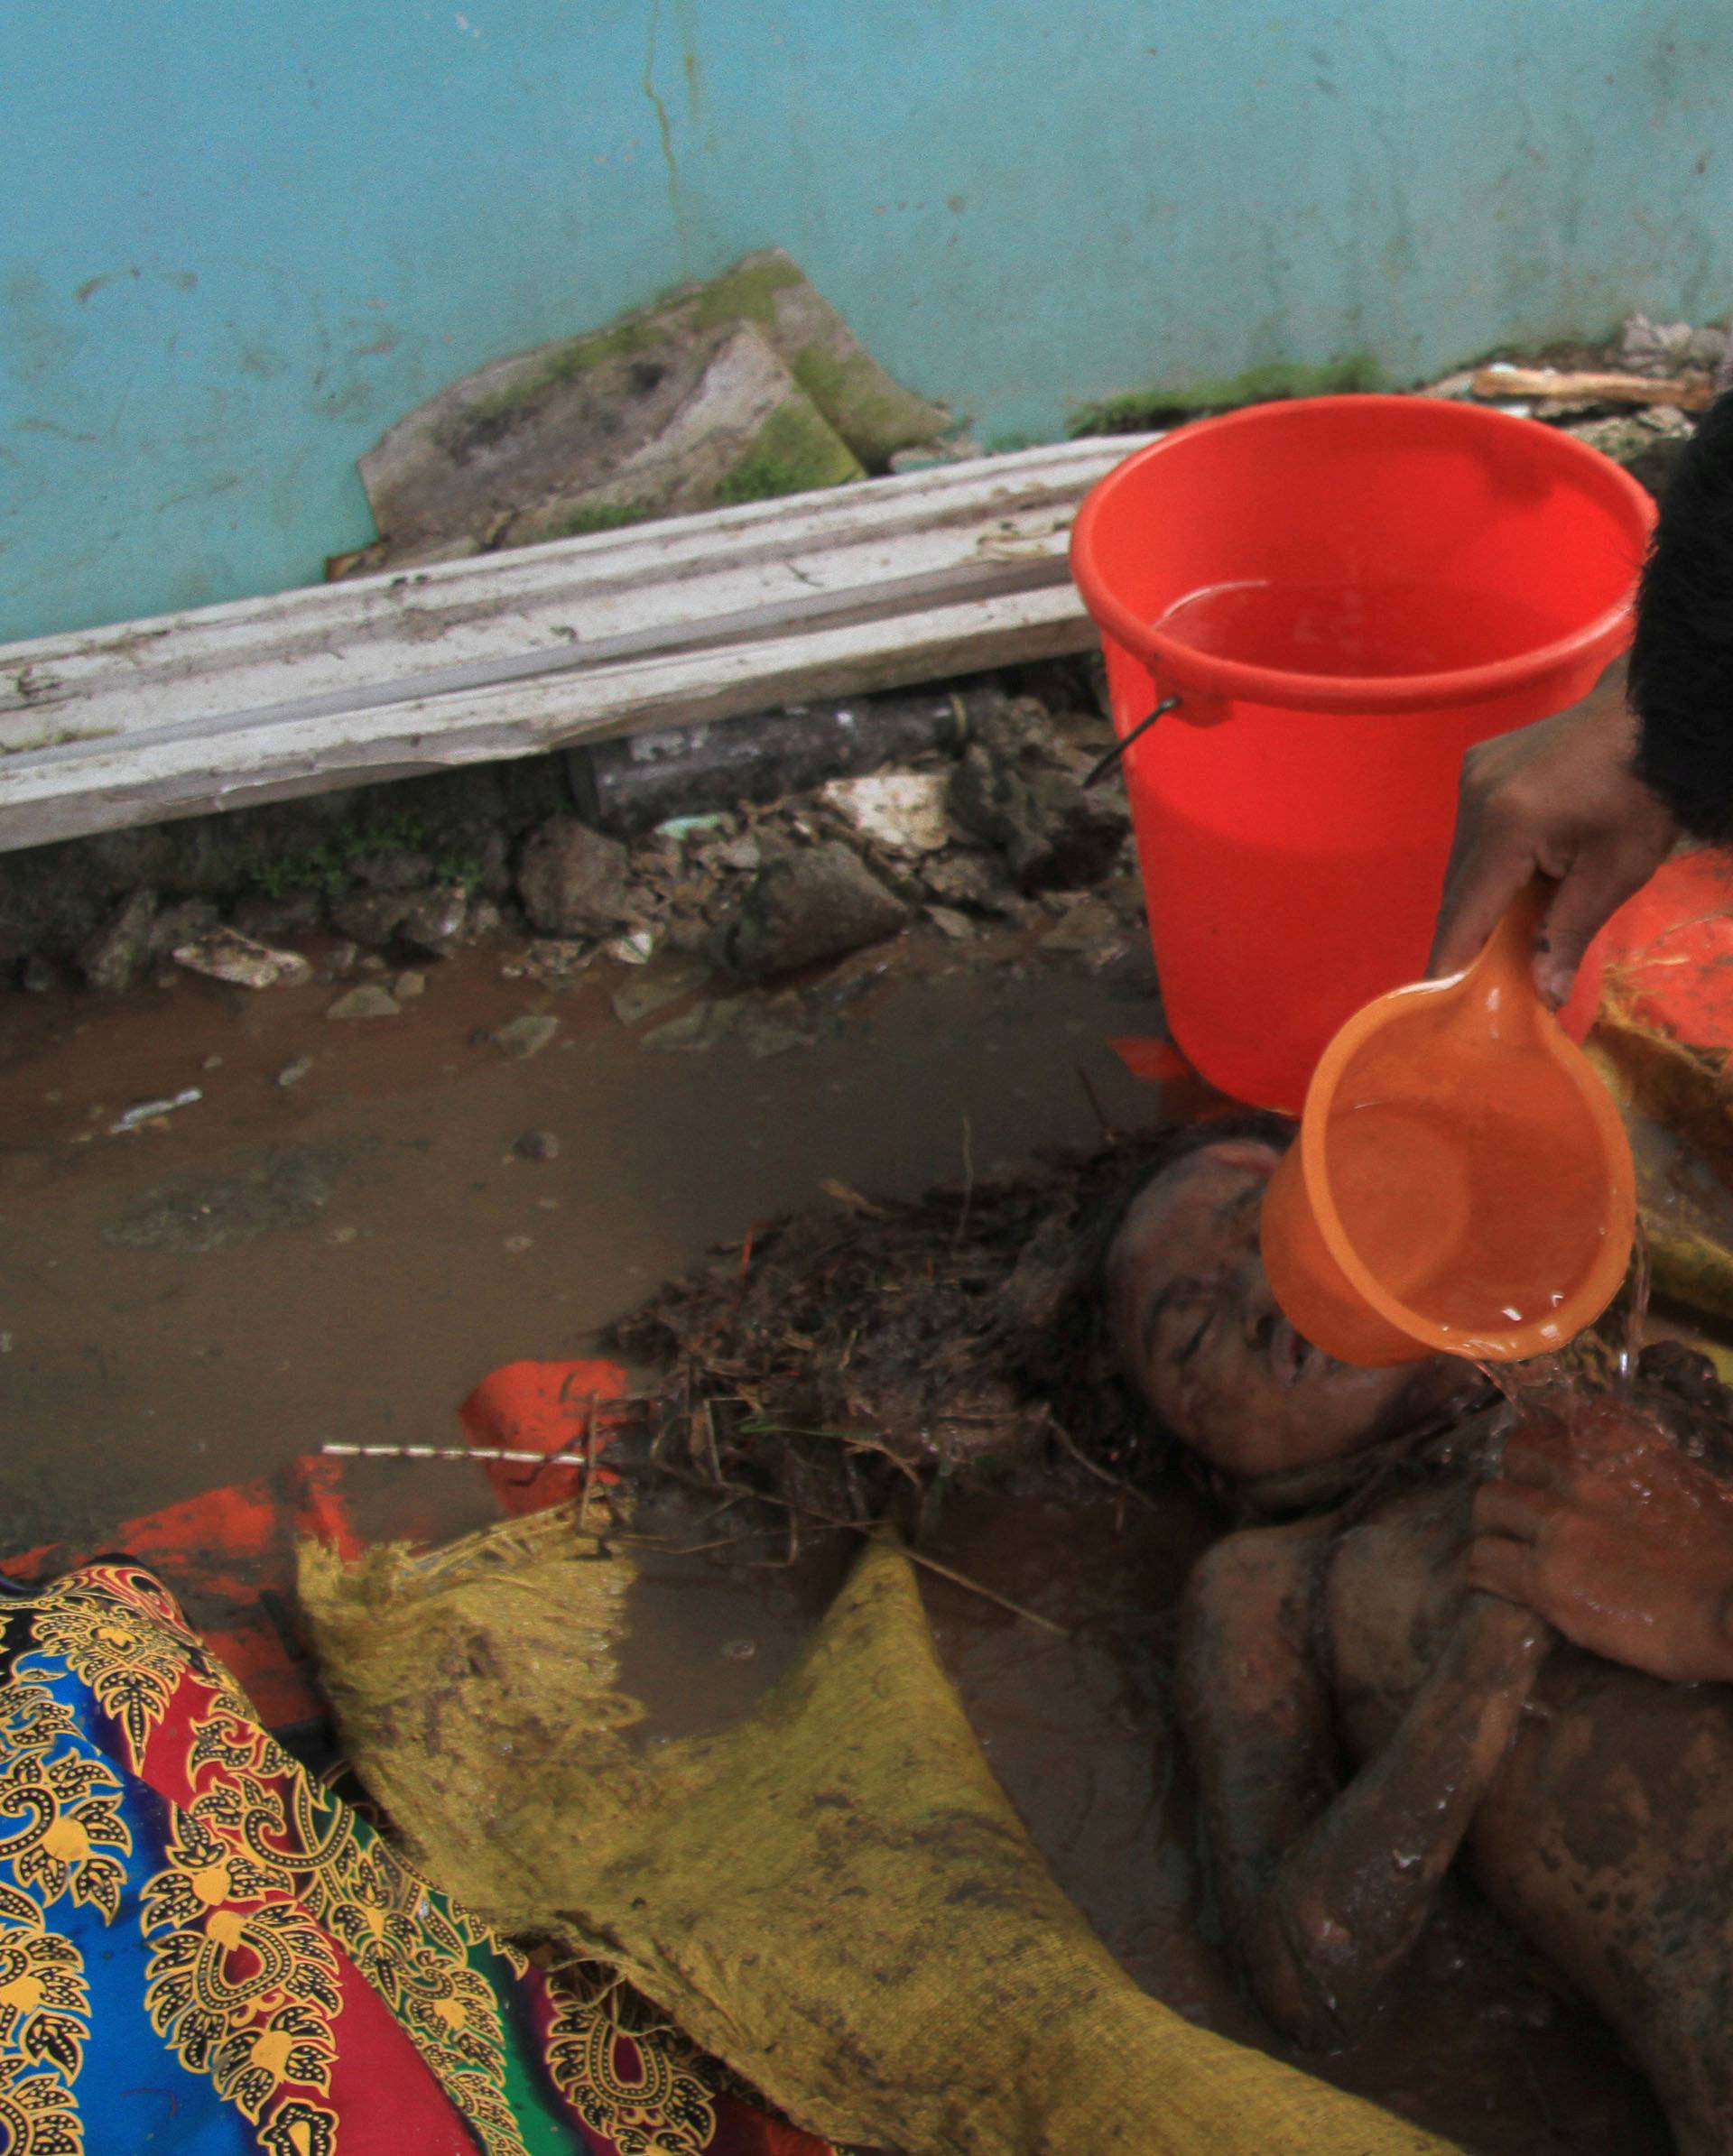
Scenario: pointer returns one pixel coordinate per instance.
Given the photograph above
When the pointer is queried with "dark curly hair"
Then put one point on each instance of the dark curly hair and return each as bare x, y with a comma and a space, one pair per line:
1681, 659
1057, 1338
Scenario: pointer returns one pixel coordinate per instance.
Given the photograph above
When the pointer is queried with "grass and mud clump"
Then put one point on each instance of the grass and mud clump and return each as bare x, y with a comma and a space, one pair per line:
862, 1358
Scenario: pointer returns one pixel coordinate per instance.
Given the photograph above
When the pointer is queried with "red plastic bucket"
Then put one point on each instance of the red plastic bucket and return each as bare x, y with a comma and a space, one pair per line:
1343, 594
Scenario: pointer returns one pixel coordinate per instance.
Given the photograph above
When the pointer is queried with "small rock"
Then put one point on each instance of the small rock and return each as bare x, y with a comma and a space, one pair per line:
966, 879
517, 1245
656, 986
36, 974
368, 1001
436, 919
537, 1145
903, 811
484, 918
371, 962
689, 937
408, 985
741, 854
226, 955
295, 913
637, 950
959, 926
340, 960
292, 1073
1654, 348
115, 956
805, 908
391, 868
371, 917
765, 1034
342, 1235
572, 880
694, 1030
1091, 930
522, 1038
559, 955
1707, 347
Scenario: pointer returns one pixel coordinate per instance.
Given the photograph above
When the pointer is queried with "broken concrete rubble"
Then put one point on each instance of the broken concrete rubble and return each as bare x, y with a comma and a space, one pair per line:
437, 918
370, 1000
225, 955
1009, 791
117, 957
572, 880
655, 986
657, 911
1660, 348
901, 811
527, 1036
805, 908
747, 387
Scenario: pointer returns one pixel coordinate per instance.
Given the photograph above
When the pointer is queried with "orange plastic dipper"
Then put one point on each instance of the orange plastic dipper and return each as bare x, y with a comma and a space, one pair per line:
1462, 1183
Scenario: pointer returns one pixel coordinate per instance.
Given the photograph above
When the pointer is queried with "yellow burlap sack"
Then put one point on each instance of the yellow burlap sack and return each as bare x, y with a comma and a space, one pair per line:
834, 1897
1683, 1092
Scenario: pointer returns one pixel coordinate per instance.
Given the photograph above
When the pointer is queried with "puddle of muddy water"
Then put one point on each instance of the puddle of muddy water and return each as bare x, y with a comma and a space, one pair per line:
198, 1301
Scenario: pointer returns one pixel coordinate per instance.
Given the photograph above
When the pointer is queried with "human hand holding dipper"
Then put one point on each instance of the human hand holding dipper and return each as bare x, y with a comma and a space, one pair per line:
1624, 1545
1560, 798
1596, 797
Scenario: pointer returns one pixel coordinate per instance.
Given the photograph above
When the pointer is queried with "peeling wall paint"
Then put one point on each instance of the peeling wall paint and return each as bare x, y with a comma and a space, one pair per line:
239, 241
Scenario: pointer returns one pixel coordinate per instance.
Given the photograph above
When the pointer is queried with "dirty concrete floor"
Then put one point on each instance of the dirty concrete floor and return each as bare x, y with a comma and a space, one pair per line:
202, 1299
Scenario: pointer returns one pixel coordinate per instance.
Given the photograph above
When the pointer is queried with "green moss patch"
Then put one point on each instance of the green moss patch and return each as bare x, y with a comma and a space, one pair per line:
1140, 411
793, 451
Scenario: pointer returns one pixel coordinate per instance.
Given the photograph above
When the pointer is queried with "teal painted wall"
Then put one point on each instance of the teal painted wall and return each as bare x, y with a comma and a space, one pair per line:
239, 237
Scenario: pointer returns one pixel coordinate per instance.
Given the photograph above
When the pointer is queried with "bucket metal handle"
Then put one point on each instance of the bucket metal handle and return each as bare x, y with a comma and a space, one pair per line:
1108, 761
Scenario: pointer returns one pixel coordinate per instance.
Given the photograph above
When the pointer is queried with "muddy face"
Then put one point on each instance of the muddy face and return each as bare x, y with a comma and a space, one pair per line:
1201, 1334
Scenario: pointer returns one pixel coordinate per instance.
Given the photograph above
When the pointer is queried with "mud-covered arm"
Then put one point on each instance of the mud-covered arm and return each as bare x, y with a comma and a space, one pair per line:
1326, 1879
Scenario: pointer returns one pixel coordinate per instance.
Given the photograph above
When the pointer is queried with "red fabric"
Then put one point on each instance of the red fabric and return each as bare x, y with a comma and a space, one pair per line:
541, 1407
1156, 1060
1670, 951
382, 2088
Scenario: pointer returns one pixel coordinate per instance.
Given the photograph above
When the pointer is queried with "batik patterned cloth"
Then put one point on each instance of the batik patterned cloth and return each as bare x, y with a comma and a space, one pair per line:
203, 1951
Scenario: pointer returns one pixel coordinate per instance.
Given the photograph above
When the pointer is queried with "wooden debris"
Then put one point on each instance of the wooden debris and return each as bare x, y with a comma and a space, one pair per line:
1546, 382
881, 585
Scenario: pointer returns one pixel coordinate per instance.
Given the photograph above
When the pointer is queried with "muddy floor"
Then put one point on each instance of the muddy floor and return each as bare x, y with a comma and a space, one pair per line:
202, 1297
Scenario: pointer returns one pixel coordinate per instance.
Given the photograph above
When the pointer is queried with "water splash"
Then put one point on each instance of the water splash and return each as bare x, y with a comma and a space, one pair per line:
1635, 1301
1600, 1362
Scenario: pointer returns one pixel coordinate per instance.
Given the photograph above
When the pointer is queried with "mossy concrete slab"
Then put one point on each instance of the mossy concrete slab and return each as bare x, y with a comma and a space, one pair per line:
731, 391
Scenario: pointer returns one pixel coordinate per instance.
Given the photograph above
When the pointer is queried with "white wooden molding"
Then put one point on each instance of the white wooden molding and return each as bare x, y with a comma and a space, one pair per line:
875, 586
